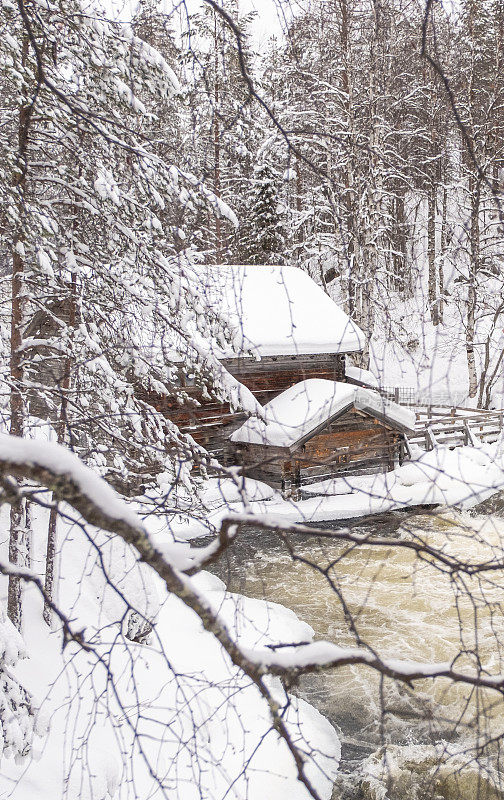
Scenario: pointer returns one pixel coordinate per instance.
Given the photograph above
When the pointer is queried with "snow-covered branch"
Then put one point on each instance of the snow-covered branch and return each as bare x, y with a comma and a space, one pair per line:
291, 662
72, 482
27, 575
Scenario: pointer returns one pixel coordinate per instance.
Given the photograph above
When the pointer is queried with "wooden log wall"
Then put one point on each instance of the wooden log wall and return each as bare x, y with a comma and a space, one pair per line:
211, 423
271, 375
353, 444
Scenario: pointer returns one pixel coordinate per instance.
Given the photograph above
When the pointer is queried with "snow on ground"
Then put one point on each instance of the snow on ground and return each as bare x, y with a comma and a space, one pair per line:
461, 477
217, 490
199, 720
414, 353
407, 350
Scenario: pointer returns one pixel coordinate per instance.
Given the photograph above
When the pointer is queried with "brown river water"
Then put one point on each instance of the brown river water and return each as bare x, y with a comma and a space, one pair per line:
405, 608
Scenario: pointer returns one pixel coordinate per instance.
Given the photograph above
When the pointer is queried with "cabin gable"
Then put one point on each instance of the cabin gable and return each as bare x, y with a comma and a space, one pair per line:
355, 442
350, 441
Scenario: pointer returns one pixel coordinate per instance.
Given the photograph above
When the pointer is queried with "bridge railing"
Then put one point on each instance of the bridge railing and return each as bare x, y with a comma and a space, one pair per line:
465, 426
412, 396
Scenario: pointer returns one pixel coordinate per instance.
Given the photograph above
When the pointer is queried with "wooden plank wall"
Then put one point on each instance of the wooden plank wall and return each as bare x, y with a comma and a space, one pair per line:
211, 423
353, 444
271, 375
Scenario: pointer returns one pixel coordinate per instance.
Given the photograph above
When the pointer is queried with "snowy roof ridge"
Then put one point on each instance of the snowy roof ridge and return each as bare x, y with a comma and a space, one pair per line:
359, 375
299, 411
274, 310
372, 402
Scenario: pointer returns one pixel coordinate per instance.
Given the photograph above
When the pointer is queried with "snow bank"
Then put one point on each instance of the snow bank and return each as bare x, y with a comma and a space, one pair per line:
462, 477
200, 721
225, 490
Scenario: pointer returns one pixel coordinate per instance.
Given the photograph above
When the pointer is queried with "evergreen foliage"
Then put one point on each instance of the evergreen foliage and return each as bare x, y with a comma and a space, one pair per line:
265, 239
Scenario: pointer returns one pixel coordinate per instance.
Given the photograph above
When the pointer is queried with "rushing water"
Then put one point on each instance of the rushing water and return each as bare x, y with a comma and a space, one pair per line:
401, 606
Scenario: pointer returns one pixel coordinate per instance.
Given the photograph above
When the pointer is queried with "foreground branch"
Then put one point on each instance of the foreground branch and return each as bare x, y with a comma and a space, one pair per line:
25, 574
53, 466
59, 470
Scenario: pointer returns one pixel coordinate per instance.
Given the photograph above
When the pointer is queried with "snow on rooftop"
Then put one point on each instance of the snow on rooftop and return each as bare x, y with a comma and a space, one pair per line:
277, 310
361, 375
302, 408
373, 403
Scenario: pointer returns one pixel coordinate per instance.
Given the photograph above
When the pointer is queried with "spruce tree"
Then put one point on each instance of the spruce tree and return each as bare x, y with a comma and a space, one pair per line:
103, 306
264, 236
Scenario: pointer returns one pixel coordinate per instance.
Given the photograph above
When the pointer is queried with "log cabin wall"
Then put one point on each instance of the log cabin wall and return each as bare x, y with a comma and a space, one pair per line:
272, 375
211, 423
353, 444
348, 449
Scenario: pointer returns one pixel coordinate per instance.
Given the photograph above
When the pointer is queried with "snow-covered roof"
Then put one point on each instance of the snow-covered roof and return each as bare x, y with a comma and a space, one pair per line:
361, 375
277, 310
374, 404
299, 411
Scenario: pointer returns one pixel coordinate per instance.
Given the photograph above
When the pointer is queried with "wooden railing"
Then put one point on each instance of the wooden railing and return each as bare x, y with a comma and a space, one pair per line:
456, 426
412, 396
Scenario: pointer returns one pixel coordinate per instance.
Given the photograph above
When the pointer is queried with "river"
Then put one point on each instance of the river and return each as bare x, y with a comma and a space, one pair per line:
401, 607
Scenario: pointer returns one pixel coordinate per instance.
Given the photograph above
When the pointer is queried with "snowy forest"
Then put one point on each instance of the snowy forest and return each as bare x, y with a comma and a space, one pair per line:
252, 399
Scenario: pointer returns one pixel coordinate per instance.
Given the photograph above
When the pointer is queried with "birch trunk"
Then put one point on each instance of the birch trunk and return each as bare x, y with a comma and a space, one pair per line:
431, 254
19, 540
444, 248
472, 295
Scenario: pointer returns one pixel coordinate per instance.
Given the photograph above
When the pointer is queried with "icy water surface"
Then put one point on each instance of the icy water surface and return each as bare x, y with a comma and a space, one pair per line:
401, 607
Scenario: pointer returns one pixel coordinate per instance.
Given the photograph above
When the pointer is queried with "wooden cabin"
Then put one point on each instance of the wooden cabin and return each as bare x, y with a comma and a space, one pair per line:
283, 329
321, 429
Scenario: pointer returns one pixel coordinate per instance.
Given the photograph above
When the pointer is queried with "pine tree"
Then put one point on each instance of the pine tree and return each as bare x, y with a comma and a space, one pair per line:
18, 719
103, 307
221, 118
264, 235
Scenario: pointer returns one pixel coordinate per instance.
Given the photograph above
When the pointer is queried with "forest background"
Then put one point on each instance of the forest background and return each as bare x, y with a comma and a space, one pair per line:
363, 144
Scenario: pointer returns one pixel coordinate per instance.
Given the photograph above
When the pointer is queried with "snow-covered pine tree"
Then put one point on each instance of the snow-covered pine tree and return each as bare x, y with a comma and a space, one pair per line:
480, 45
222, 130
104, 308
336, 192
18, 719
263, 235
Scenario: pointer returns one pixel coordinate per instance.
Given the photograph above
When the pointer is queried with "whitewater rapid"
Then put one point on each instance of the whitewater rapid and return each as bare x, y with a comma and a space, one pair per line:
400, 606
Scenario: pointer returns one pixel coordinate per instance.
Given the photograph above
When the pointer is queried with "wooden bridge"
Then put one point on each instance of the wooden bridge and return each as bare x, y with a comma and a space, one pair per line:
455, 426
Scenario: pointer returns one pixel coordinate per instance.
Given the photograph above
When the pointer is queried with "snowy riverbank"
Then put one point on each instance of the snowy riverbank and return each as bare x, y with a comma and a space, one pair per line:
462, 477
197, 719
177, 701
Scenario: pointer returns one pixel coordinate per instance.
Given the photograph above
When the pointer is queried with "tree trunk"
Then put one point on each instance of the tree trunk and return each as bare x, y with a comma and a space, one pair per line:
299, 201
472, 298
431, 254
350, 245
19, 542
444, 248
399, 240
217, 148
50, 563
50, 570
